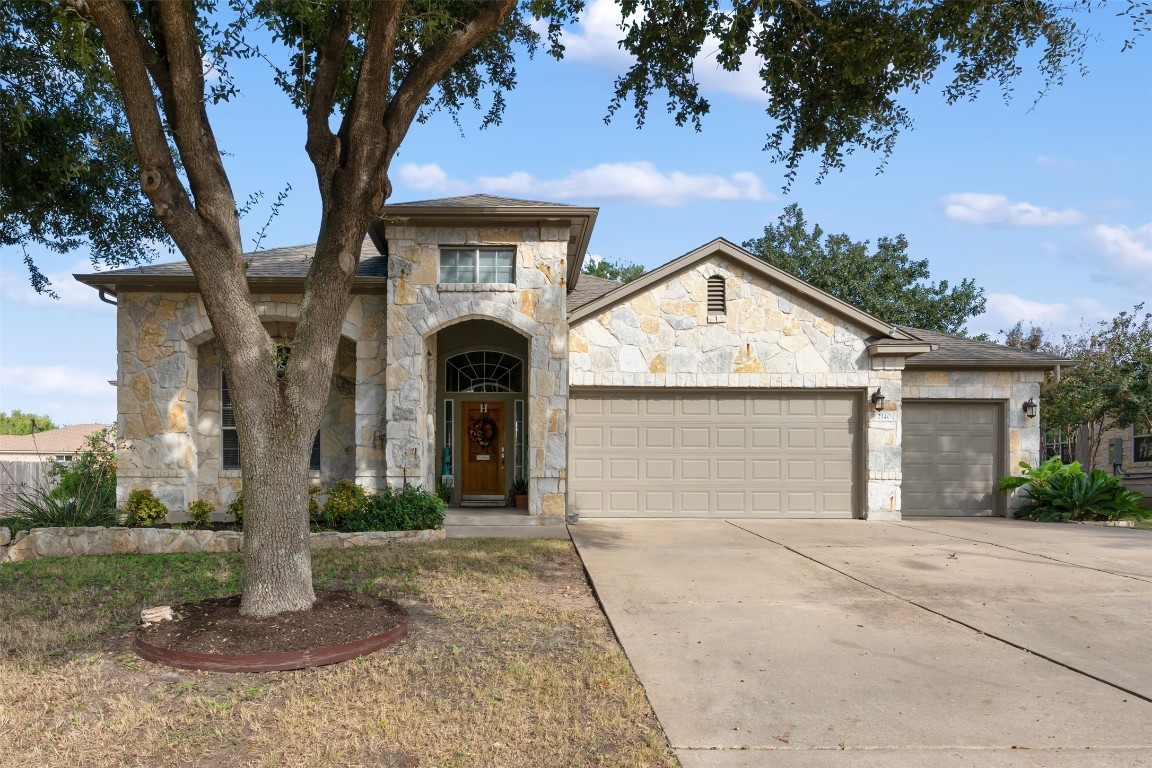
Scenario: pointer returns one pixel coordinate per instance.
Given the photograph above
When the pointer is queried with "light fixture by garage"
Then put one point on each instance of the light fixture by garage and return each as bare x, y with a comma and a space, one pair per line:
877, 400
1030, 408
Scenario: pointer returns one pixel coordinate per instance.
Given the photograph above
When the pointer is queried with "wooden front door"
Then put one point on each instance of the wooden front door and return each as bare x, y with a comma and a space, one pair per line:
483, 441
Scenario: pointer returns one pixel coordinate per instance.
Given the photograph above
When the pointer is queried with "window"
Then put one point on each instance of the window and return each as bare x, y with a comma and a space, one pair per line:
484, 371
717, 303
1058, 442
230, 440
477, 265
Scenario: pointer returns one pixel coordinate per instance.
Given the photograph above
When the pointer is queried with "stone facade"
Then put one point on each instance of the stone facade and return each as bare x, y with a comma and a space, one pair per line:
169, 395
534, 306
768, 338
1022, 441
68, 542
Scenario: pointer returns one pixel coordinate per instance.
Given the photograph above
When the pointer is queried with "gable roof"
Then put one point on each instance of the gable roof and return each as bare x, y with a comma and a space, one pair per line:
267, 270
52, 441
746, 260
467, 209
959, 351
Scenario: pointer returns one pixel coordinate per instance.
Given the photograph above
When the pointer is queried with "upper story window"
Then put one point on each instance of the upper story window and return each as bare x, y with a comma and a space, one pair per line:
477, 265
717, 300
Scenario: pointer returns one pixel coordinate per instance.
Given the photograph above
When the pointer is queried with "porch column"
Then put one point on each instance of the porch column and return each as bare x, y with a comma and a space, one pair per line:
371, 385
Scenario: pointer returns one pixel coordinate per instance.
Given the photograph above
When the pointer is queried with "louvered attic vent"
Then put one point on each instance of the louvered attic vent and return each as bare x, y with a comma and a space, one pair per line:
717, 304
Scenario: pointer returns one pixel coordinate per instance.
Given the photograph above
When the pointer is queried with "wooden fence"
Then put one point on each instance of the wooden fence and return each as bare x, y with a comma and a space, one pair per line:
19, 475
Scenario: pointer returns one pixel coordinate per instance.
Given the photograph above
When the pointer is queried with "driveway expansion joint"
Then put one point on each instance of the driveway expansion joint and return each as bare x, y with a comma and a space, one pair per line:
952, 619
1020, 551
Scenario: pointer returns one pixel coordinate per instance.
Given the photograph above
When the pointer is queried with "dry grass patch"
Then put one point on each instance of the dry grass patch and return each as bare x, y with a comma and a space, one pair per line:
509, 663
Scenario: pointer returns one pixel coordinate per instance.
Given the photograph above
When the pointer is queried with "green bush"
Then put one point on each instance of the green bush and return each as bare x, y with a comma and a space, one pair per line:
344, 499
409, 509
1097, 496
144, 509
236, 508
43, 507
1039, 475
200, 513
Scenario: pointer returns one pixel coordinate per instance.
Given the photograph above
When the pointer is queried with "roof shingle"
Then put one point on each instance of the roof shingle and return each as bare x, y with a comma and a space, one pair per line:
958, 350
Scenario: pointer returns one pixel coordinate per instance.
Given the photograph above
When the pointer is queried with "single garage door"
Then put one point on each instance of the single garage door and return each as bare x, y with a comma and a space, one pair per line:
950, 459
760, 454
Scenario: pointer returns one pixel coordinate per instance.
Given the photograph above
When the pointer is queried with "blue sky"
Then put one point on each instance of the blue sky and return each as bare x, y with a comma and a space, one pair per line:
1047, 205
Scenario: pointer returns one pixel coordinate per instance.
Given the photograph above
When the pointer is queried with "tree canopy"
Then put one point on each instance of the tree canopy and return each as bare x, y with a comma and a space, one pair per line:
621, 271
105, 123
1111, 385
884, 282
20, 423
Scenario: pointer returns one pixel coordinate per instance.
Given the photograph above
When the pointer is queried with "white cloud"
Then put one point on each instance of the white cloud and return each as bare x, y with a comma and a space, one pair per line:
46, 380
1004, 310
980, 208
636, 181
596, 40
1126, 248
14, 287
429, 178
1056, 163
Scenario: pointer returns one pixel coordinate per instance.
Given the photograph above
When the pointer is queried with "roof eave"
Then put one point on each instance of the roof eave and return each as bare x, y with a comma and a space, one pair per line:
905, 348
187, 283
1043, 365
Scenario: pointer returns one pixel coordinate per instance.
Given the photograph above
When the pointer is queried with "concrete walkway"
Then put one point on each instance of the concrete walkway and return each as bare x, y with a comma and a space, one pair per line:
919, 644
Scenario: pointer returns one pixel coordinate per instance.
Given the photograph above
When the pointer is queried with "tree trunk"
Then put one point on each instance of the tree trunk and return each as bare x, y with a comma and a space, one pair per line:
277, 558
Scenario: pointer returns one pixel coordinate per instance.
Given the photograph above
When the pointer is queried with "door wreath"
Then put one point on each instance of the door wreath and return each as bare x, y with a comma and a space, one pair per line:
482, 431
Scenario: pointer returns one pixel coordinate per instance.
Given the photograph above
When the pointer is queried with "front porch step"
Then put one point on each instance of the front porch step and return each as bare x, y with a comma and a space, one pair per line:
504, 516
463, 523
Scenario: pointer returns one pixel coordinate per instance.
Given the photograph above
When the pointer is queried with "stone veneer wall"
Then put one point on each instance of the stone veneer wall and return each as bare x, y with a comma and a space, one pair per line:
418, 307
1012, 387
769, 338
68, 542
168, 411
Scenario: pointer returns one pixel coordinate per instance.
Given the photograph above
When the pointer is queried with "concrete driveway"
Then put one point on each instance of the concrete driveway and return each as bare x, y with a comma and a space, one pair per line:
916, 644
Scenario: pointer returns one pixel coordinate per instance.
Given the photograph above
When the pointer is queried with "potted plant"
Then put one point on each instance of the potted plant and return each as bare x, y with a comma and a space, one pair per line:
520, 493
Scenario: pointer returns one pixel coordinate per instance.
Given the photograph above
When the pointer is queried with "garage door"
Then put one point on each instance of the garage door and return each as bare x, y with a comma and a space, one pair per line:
712, 455
950, 458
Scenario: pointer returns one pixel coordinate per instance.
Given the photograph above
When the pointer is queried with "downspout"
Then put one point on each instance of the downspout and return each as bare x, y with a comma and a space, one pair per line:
104, 298
1054, 382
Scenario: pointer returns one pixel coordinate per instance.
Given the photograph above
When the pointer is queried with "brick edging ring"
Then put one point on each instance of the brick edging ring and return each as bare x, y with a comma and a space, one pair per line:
279, 661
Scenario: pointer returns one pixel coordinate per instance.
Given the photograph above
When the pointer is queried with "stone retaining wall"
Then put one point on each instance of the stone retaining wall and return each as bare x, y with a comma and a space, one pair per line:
66, 542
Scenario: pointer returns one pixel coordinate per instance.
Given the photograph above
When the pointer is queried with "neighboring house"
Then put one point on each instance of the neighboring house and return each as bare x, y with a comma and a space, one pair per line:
59, 444
474, 350
1128, 453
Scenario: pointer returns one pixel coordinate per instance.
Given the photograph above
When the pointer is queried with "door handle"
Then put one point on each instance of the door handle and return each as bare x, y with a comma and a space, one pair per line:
501, 457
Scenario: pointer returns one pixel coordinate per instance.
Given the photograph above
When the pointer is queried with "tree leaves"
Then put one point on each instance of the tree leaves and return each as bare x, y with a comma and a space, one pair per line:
884, 282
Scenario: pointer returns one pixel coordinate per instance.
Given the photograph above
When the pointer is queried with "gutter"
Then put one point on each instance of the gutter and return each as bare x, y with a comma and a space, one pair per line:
104, 298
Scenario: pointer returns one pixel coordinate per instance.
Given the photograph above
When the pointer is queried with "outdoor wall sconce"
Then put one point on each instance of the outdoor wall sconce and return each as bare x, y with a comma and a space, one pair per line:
1029, 408
877, 400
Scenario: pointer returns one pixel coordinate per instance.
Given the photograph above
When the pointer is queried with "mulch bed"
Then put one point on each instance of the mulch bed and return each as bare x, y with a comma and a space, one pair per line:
215, 627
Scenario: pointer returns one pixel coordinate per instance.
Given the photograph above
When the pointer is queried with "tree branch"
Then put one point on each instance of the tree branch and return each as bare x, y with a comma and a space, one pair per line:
433, 65
322, 145
190, 127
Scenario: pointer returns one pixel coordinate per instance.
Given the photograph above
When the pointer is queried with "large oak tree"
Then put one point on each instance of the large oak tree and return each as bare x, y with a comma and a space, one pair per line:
115, 90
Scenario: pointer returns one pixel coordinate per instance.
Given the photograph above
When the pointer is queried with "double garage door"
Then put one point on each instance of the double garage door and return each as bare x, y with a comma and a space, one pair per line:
713, 455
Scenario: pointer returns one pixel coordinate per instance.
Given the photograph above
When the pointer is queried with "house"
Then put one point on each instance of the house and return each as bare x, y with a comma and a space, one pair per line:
474, 351
58, 444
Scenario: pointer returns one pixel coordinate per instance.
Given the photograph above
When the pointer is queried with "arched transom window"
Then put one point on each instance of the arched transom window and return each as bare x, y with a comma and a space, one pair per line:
484, 371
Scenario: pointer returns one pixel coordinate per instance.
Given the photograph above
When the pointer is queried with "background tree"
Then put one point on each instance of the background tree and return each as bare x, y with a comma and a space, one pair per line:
884, 282
1110, 386
1030, 338
362, 72
20, 423
620, 271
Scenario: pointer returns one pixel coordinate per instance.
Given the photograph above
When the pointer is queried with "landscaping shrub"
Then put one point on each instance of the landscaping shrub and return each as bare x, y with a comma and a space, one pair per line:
43, 507
200, 513
344, 499
144, 509
1067, 496
409, 509
1040, 474
236, 508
